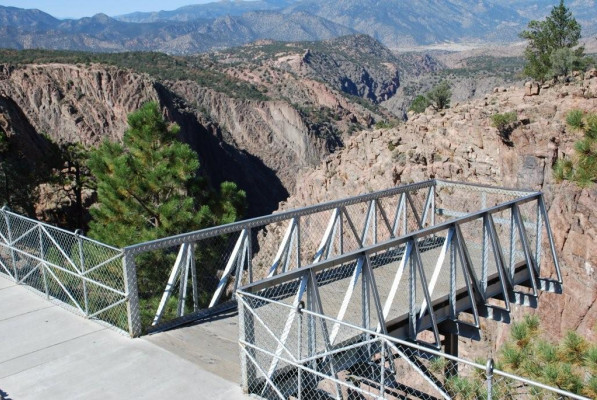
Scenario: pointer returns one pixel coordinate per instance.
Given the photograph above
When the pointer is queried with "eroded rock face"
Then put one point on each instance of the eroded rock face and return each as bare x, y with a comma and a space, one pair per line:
84, 104
460, 144
261, 145
273, 130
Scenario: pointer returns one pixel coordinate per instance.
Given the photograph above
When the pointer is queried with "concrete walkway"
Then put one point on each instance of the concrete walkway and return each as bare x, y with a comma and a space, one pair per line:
49, 353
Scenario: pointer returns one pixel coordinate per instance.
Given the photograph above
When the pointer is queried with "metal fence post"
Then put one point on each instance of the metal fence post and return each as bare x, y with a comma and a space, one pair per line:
489, 375
132, 292
12, 251
42, 255
78, 234
246, 333
299, 356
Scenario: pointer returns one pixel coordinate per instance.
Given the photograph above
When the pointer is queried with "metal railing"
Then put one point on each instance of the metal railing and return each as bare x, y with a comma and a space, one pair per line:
170, 281
483, 252
73, 271
202, 269
372, 365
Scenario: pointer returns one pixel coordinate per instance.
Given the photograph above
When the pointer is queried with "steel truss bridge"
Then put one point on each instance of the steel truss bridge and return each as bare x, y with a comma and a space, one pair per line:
337, 300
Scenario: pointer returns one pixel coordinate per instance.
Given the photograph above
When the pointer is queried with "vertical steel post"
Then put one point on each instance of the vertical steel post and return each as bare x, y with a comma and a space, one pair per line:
375, 205
82, 267
552, 245
489, 375
132, 291
193, 267
432, 205
512, 243
311, 327
12, 251
365, 293
453, 273
538, 236
247, 334
299, 375
298, 243
250, 254
412, 312
382, 391
451, 348
341, 216
42, 255
485, 259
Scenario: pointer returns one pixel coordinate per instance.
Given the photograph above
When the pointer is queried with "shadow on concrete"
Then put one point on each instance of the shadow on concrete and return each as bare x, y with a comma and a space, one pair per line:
4, 395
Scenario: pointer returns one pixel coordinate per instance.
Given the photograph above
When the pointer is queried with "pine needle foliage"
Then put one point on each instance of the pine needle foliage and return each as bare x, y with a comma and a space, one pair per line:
568, 365
552, 45
582, 166
148, 186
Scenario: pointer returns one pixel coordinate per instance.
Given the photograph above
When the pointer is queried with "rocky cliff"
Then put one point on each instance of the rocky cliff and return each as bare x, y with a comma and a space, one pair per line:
460, 144
260, 144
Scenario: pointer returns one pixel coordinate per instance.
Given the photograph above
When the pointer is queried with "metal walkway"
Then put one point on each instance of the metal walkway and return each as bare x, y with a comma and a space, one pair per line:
338, 298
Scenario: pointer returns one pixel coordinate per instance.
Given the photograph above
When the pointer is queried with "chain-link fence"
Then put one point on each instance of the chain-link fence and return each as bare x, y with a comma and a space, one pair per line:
170, 281
306, 331
192, 275
298, 360
75, 272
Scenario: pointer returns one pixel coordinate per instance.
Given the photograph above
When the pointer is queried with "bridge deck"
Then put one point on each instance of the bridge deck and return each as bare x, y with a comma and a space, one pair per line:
49, 353
333, 288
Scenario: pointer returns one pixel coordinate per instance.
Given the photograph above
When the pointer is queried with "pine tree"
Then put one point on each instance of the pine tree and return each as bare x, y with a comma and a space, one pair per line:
148, 186
567, 366
559, 30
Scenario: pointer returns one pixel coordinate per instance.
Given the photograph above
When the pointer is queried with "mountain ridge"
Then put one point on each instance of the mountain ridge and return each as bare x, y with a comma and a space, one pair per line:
212, 26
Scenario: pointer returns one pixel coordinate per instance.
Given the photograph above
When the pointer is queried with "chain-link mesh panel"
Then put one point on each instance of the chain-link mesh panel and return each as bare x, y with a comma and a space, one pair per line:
287, 353
250, 252
325, 319
80, 274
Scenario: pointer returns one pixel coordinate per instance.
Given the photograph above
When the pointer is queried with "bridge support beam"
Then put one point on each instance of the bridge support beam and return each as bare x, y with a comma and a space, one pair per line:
450, 344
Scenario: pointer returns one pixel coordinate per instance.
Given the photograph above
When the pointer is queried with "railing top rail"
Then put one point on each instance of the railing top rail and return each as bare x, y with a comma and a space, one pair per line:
268, 219
347, 257
479, 187
55, 228
299, 212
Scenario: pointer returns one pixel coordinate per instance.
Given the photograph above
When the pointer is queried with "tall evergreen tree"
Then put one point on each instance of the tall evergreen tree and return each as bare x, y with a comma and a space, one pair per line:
559, 30
148, 186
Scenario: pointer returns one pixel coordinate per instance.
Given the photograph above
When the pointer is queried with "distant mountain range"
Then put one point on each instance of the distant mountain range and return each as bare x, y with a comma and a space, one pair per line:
212, 26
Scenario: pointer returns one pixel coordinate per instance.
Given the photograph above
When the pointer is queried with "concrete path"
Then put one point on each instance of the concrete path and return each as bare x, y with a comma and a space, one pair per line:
211, 345
49, 353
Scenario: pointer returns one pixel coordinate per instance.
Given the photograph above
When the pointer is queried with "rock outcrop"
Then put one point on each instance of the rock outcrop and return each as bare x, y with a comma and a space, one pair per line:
460, 144
260, 144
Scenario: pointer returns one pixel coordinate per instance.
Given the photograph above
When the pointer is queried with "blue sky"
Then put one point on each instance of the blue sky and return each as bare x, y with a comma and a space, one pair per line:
87, 8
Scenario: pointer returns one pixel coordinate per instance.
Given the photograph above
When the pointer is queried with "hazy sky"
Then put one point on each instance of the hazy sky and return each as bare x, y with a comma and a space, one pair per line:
87, 8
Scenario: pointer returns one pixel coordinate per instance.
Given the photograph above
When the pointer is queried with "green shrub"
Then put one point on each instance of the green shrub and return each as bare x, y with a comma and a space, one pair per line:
502, 122
385, 124
419, 104
582, 167
574, 119
440, 95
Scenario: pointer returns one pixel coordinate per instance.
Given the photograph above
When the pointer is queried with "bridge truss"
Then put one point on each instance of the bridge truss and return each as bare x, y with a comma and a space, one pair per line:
335, 300
358, 322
